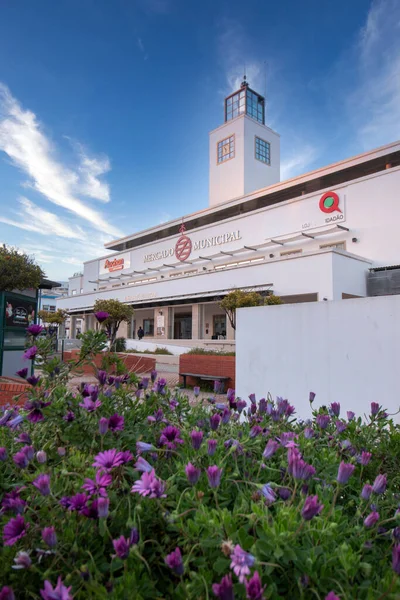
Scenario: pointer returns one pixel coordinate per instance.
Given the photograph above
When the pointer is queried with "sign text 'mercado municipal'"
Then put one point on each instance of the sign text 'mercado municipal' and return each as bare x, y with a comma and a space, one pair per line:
216, 240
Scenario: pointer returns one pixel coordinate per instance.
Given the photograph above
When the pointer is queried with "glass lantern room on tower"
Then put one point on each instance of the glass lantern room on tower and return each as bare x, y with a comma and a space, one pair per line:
244, 152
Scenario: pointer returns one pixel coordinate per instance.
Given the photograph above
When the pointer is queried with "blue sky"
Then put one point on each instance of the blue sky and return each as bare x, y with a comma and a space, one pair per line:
105, 107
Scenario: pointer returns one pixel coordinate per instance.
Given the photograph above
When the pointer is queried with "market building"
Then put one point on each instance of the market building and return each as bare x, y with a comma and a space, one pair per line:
326, 235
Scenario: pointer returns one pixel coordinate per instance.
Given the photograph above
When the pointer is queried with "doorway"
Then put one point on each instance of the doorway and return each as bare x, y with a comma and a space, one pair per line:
183, 326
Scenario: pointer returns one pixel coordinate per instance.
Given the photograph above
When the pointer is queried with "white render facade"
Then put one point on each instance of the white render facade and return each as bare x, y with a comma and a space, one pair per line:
312, 238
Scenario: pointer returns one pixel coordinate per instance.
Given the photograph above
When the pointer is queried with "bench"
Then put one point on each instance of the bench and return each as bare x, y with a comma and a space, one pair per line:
218, 378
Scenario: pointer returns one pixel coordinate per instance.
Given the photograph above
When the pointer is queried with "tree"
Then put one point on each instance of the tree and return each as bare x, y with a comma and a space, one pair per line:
18, 271
118, 313
272, 299
239, 299
53, 318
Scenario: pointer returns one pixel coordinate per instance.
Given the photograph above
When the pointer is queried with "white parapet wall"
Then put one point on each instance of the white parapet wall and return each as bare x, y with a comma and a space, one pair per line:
346, 351
141, 345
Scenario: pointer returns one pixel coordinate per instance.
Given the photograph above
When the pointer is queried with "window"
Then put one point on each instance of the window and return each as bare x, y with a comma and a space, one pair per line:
290, 252
74, 292
148, 326
219, 326
245, 101
337, 245
81, 290
52, 308
263, 151
226, 149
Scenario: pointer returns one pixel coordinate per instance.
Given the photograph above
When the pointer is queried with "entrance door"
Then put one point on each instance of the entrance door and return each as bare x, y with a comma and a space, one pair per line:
183, 326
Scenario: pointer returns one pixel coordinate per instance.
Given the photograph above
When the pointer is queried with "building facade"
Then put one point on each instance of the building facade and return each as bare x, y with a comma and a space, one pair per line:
315, 237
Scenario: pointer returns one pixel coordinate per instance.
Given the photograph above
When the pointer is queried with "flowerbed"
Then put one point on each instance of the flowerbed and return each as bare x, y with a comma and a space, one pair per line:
123, 490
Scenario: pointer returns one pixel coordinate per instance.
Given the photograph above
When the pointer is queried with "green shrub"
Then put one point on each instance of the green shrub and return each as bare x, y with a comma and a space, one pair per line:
201, 351
120, 344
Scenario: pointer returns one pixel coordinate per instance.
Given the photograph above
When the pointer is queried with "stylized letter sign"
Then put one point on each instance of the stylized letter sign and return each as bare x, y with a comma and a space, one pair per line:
183, 246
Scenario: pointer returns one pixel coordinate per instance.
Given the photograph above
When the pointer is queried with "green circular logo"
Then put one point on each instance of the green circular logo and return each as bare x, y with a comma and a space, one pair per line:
328, 202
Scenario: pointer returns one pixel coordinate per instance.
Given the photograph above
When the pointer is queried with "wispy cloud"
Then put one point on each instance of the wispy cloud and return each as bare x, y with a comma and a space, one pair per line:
298, 161
141, 47
23, 140
374, 105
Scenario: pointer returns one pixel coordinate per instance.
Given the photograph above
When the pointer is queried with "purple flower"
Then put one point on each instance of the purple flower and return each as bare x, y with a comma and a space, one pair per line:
149, 485
144, 383
12, 502
60, 592
121, 547
143, 466
323, 421
284, 493
335, 409
173, 404
345, 472
298, 467
215, 420
217, 386
214, 476
3, 454
226, 415
89, 404
350, 415
224, 589
170, 437
379, 485
42, 483
374, 408
268, 493
252, 398
134, 536
366, 491
108, 460
174, 561
255, 430
372, 518
41, 457
396, 558
69, 417
311, 397
34, 330
35, 407
192, 473
308, 433
22, 373
160, 385
116, 423
262, 406
153, 375
61, 451
49, 537
98, 485
6, 593
286, 437
30, 353
196, 390
270, 448
103, 425
311, 508
101, 377
197, 439
241, 405
241, 563
157, 417
22, 560
144, 447
23, 438
78, 502
254, 589
340, 426
101, 316
15, 421
364, 458
102, 507
21, 460
211, 446
14, 530
332, 596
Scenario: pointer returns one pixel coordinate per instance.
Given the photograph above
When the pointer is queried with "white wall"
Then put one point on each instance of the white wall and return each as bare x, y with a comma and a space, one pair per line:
346, 352
151, 346
226, 178
258, 175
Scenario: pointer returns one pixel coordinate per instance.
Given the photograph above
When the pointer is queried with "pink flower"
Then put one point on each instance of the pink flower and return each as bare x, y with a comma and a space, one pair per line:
14, 530
149, 485
99, 485
108, 460
241, 563
116, 423
60, 592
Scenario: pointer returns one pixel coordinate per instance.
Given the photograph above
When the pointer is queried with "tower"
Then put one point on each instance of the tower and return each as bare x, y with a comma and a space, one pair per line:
244, 152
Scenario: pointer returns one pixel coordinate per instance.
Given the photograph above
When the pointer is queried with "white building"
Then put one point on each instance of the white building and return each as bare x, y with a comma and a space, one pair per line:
315, 237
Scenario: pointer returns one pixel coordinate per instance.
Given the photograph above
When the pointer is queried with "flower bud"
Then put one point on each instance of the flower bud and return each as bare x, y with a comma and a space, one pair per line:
41, 457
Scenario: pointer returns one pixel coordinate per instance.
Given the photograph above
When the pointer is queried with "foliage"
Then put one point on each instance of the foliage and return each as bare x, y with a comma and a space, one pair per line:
239, 299
202, 351
120, 344
271, 299
18, 271
111, 361
163, 351
261, 517
118, 313
53, 318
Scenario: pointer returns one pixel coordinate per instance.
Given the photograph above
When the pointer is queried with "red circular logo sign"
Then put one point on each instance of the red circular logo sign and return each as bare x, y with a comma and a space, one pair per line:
329, 203
183, 248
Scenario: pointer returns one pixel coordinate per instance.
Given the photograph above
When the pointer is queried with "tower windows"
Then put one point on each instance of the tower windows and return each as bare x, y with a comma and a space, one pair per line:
263, 151
245, 101
226, 149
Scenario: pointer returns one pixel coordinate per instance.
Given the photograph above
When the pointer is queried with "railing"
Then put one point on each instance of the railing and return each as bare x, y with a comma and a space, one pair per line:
67, 345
